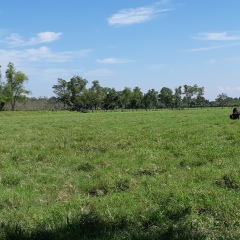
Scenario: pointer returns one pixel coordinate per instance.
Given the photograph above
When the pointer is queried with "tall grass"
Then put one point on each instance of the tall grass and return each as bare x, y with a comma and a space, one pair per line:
122, 175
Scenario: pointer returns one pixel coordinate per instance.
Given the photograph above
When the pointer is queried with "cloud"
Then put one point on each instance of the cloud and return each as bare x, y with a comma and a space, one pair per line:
112, 60
135, 15
210, 48
41, 54
233, 59
217, 36
15, 40
45, 54
228, 89
212, 61
48, 75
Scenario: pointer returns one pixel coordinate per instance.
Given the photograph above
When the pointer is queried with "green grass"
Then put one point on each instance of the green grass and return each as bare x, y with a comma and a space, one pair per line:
119, 175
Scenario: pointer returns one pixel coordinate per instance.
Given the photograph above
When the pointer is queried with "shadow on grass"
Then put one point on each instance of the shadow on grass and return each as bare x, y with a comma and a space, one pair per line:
91, 226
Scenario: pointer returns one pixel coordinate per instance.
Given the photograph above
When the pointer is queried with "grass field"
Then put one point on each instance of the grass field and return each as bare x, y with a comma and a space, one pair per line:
120, 175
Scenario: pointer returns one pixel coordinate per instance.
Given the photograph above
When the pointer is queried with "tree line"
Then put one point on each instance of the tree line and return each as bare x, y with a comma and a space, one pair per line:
74, 95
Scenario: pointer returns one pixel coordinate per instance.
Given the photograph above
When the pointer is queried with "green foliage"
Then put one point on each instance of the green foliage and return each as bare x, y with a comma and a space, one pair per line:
74, 94
12, 90
166, 97
71, 93
3, 97
119, 175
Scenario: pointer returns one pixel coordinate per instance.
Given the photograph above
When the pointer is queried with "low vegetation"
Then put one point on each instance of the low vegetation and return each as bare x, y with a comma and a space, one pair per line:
167, 174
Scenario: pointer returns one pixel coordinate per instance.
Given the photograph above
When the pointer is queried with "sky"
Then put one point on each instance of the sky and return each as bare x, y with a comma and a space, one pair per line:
124, 43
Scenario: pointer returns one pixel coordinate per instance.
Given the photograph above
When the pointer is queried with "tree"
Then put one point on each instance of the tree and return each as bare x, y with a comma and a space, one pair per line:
222, 99
136, 100
150, 99
125, 97
95, 95
2, 92
166, 96
111, 99
77, 87
14, 88
62, 91
200, 99
188, 91
193, 95
71, 93
177, 99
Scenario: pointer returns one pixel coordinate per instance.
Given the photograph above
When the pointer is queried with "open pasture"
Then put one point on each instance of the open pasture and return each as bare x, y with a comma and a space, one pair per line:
120, 175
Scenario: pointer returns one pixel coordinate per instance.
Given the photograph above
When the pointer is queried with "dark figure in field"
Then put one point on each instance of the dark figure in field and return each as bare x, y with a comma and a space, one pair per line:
235, 114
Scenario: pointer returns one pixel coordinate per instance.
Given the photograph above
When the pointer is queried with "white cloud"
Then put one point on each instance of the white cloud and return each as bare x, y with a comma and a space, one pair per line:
15, 39
228, 89
217, 36
225, 89
46, 37
51, 74
210, 48
41, 54
212, 61
134, 15
233, 59
113, 60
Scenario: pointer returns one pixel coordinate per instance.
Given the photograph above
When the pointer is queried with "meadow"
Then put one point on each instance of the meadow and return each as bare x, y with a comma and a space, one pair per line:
167, 174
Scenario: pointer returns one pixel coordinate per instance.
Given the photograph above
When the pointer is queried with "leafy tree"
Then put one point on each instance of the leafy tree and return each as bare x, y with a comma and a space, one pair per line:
125, 97
222, 99
14, 88
136, 100
193, 95
177, 99
71, 93
62, 91
111, 100
150, 99
188, 91
166, 96
200, 100
95, 95
3, 97
77, 86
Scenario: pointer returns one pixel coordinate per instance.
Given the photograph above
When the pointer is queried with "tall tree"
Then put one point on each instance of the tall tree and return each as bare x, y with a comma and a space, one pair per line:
150, 99
166, 96
125, 97
95, 95
77, 87
111, 99
222, 99
14, 85
188, 92
177, 97
136, 100
2, 92
62, 91
72, 92
200, 100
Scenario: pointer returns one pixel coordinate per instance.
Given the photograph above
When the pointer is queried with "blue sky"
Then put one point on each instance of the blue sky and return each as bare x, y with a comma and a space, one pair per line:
124, 43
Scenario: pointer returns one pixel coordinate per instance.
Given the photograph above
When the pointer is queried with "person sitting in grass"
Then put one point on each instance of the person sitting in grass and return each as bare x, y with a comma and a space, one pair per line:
235, 114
